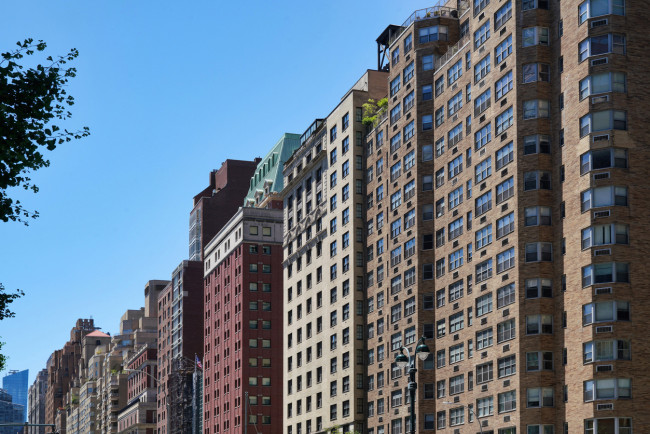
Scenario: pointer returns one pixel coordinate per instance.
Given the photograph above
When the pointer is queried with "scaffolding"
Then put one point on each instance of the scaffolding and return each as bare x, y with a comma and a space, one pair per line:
185, 398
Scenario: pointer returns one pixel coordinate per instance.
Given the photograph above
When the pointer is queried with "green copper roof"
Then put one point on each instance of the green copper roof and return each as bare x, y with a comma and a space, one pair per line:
269, 172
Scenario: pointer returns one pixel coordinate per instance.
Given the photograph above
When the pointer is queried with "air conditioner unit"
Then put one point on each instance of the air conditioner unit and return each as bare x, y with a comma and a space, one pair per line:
598, 23
604, 329
599, 99
601, 214
604, 368
604, 290
602, 175
609, 406
600, 138
602, 252
601, 61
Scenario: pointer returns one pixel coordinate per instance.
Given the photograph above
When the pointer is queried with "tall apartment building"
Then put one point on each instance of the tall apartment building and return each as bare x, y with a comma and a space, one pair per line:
180, 316
214, 206
243, 324
36, 402
323, 269
515, 202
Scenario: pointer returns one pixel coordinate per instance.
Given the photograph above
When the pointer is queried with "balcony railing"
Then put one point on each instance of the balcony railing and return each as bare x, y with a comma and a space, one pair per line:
428, 13
451, 52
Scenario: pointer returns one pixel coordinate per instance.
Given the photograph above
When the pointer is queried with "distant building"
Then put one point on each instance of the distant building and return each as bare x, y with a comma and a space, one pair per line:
36, 402
214, 206
16, 383
10, 412
180, 321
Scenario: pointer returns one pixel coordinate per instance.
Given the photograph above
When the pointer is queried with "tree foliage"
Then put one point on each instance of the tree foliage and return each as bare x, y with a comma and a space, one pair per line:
372, 111
32, 102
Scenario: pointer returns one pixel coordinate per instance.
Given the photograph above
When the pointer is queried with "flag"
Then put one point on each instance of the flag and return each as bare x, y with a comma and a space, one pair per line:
198, 362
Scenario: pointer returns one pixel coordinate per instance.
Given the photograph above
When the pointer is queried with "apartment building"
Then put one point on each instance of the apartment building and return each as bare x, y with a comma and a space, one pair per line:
36, 403
324, 350
511, 225
180, 315
243, 333
214, 206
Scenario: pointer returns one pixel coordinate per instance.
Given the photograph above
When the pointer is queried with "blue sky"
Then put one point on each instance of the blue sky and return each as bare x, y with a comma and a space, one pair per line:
170, 90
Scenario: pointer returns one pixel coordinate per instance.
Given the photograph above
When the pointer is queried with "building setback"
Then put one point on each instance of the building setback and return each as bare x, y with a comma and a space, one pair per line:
324, 350
243, 324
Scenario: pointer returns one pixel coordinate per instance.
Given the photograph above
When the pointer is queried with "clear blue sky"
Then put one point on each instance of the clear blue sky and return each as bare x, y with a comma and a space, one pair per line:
169, 89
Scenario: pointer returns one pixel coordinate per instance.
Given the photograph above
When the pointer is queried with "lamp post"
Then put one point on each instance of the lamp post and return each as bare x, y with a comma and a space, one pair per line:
480, 427
402, 361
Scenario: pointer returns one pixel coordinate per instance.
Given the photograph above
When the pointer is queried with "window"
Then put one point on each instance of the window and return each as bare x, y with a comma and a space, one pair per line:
456, 322
455, 291
408, 43
540, 429
605, 311
484, 339
539, 324
427, 61
408, 72
534, 4
395, 87
503, 50
505, 225
455, 103
505, 190
456, 353
603, 196
533, 72
503, 85
507, 401
610, 388
454, 72
483, 136
455, 229
534, 36
484, 373
457, 416
457, 384
597, 8
536, 108
455, 198
434, 33
507, 366
505, 155
482, 68
618, 425
479, 5
607, 272
483, 237
485, 406
599, 235
395, 113
540, 397
484, 304
503, 14
482, 34
505, 295
603, 44
455, 135
482, 102
505, 331
539, 287
539, 361
455, 259
536, 252
605, 350
345, 121
537, 144
602, 121
603, 159
504, 121
484, 203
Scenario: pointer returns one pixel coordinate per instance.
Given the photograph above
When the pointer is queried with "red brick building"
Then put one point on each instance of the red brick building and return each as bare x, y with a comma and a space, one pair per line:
243, 324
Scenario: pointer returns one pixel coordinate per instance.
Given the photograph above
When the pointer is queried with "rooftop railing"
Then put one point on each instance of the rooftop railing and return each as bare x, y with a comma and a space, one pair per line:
428, 13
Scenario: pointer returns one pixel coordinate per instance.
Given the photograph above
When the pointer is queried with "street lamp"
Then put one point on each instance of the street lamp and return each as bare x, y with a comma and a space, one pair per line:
402, 361
480, 427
